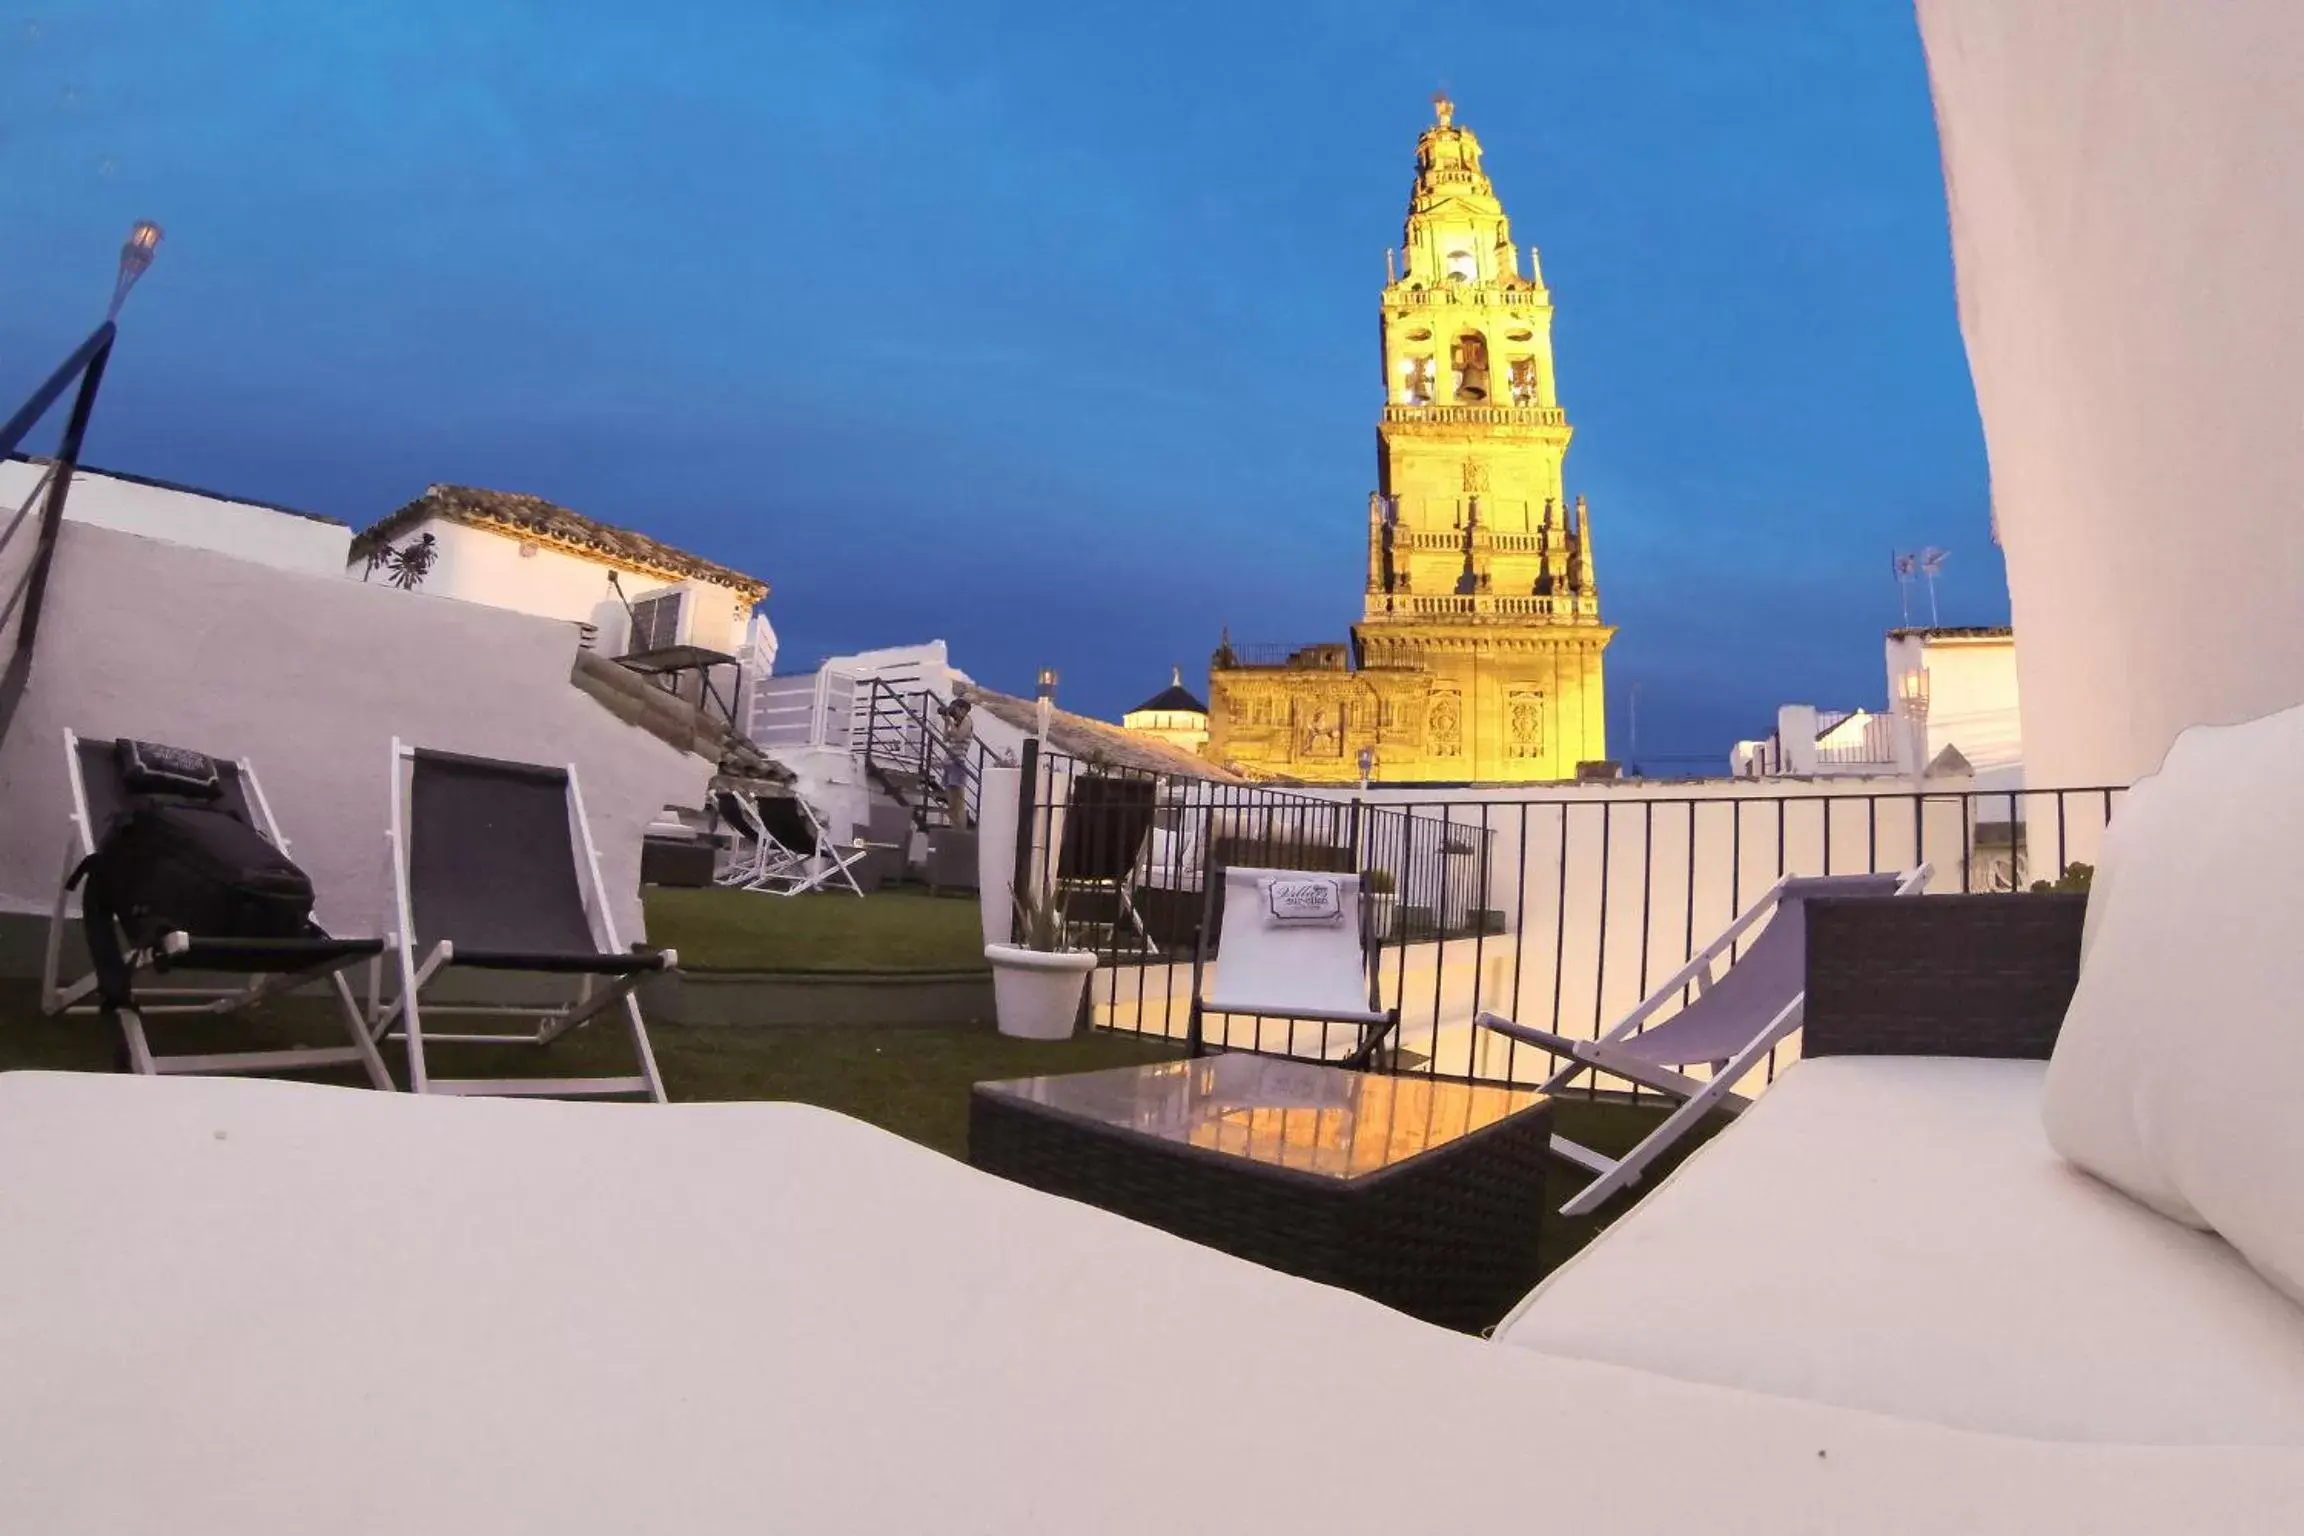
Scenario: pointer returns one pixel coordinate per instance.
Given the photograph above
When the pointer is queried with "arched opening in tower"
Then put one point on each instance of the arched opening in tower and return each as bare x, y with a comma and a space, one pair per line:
1469, 358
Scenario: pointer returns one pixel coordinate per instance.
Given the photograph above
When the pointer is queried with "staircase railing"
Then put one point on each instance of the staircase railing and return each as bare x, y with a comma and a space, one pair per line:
901, 737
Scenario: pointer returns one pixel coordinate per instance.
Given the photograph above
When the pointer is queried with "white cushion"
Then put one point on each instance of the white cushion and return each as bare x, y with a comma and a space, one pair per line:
275, 1309
1894, 1234
2118, 1028
2174, 1076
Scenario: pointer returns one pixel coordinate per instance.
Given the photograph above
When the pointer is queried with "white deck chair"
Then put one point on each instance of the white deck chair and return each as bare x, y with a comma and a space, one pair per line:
793, 824
493, 869
271, 967
1294, 948
1731, 1023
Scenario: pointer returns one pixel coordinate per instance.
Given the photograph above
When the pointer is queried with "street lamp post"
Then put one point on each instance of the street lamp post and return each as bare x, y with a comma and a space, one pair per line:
1912, 700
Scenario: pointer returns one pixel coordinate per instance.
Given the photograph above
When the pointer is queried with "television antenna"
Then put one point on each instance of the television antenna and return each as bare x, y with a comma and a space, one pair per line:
1907, 566
1931, 562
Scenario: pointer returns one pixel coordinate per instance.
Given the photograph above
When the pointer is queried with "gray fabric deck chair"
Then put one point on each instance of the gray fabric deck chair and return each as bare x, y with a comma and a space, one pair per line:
494, 869
1731, 1024
793, 825
1106, 824
265, 967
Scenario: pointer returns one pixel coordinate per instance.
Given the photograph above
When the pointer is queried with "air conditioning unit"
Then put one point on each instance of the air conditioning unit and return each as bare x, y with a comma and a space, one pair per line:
659, 621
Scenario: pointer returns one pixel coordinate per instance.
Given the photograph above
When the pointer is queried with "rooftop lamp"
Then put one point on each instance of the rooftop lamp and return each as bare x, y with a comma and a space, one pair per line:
135, 256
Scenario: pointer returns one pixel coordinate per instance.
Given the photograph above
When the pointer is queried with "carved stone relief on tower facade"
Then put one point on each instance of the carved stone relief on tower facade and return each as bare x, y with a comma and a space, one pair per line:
1444, 729
1524, 723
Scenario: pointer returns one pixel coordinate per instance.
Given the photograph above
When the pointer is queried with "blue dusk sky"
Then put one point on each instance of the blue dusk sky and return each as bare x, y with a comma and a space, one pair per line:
1045, 328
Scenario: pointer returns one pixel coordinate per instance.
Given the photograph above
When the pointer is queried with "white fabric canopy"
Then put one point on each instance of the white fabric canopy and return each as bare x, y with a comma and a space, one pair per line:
2126, 180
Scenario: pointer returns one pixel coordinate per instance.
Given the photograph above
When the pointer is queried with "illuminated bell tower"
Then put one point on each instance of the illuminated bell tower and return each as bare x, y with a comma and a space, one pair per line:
1480, 566
1477, 658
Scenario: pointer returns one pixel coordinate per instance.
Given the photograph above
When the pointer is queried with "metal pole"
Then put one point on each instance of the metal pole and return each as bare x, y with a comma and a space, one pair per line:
20, 425
1027, 785
60, 485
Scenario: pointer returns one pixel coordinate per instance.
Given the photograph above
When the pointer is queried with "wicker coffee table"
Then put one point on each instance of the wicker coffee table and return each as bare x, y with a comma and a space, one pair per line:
1426, 1196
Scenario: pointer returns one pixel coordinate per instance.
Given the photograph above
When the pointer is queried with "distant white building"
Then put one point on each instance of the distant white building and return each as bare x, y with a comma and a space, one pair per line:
525, 553
1951, 711
280, 537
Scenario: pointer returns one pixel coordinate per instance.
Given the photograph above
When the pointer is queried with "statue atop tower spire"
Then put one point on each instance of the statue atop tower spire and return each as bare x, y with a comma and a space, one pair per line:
1443, 109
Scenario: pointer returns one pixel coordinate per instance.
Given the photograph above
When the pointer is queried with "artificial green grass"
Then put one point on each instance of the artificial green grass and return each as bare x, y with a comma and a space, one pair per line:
890, 930
913, 1081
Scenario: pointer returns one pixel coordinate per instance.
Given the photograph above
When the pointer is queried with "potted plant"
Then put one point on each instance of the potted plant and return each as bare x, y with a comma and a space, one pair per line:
1037, 984
2075, 880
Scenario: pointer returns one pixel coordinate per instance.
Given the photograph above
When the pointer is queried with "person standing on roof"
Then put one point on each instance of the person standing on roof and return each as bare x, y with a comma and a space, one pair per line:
959, 736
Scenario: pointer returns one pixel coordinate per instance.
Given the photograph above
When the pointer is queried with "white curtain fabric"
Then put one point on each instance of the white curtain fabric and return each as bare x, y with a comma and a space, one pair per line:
2126, 182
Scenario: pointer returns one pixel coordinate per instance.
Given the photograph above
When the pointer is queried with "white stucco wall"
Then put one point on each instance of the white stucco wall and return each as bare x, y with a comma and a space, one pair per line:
268, 537
311, 676
2126, 217
479, 565
1973, 700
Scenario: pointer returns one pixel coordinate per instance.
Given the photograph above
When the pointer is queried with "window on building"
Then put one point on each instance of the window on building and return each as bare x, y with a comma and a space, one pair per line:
655, 623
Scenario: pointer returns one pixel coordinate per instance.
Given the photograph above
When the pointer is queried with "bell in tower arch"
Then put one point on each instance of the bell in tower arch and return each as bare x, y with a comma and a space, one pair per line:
1469, 358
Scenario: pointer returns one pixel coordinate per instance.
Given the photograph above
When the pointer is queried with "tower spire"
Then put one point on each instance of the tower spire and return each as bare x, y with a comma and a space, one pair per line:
1587, 585
1443, 110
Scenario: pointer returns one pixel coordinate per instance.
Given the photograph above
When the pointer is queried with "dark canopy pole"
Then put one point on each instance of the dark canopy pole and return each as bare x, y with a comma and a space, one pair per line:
86, 365
60, 485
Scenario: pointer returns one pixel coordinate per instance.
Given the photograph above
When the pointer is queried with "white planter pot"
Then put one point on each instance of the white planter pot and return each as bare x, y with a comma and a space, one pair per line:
1038, 991
1380, 916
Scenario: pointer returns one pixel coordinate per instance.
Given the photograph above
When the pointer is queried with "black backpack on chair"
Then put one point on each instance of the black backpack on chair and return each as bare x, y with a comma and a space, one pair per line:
178, 859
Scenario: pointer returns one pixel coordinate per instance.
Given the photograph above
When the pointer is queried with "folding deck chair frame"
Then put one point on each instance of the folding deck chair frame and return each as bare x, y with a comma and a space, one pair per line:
273, 967
814, 867
769, 860
1236, 888
607, 975
1619, 1053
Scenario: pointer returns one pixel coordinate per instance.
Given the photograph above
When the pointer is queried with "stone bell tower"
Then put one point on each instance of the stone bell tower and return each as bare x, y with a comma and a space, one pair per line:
1478, 654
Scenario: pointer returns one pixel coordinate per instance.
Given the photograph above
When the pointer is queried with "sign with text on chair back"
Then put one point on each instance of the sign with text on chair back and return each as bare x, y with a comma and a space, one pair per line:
1299, 901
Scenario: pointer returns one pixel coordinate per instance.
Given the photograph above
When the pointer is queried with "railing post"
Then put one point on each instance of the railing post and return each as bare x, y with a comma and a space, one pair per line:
1027, 786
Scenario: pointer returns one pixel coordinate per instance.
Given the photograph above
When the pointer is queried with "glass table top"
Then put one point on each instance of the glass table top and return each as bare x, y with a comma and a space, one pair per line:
1299, 1115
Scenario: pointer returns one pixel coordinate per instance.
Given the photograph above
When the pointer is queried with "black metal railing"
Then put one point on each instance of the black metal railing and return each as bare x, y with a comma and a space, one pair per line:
1129, 850
1560, 909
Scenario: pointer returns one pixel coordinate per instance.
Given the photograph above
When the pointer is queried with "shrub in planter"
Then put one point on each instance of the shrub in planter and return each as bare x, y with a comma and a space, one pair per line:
2074, 880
